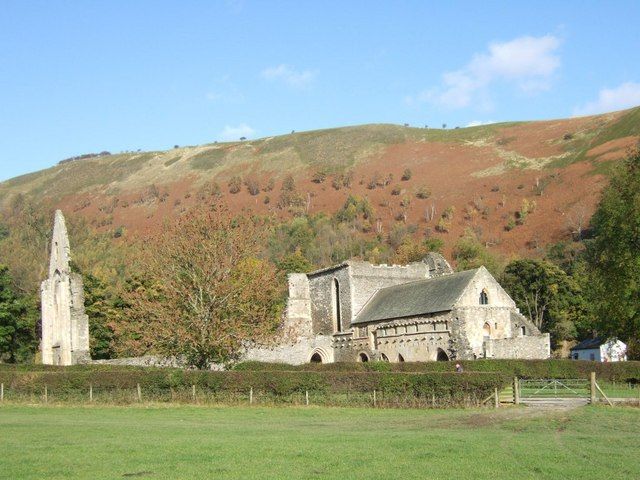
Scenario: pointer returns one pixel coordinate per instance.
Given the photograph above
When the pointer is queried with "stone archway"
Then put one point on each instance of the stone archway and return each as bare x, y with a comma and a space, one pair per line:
319, 355
363, 357
441, 356
316, 358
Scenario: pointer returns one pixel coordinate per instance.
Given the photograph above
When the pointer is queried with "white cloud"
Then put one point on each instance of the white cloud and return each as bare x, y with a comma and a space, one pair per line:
526, 62
289, 75
230, 133
626, 95
477, 123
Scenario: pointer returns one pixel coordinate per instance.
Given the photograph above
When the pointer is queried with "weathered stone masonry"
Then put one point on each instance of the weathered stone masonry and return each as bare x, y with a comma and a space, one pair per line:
423, 311
65, 326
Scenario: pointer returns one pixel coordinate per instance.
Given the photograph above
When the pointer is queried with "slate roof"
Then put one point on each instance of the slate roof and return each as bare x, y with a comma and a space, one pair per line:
412, 299
589, 344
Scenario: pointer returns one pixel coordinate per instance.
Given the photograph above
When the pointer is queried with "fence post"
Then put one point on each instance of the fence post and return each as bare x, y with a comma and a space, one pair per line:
496, 398
516, 391
193, 392
91, 392
306, 396
251, 396
593, 388
139, 392
1, 392
433, 399
375, 399
46, 395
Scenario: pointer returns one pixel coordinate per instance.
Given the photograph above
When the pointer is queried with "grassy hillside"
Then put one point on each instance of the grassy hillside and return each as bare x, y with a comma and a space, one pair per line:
484, 174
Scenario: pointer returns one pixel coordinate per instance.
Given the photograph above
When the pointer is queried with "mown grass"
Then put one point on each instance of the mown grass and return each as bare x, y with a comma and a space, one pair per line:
310, 443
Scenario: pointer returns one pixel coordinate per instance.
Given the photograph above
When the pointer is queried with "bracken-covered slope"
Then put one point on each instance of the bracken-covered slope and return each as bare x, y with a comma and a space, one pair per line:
485, 173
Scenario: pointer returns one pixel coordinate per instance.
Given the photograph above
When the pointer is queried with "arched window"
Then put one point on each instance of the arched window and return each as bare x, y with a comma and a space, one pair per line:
316, 358
486, 330
484, 298
362, 357
384, 358
400, 358
336, 313
442, 356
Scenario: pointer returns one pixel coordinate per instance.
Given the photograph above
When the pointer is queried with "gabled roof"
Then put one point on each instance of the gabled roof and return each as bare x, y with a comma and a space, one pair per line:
590, 343
412, 299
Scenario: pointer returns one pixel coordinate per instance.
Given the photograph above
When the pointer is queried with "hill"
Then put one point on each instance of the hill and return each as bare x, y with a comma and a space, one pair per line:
519, 186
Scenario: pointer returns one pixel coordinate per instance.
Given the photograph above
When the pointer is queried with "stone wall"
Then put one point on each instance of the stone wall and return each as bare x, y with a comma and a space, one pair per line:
531, 347
367, 279
411, 339
323, 299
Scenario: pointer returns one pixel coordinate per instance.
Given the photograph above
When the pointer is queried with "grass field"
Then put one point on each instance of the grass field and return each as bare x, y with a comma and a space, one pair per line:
299, 443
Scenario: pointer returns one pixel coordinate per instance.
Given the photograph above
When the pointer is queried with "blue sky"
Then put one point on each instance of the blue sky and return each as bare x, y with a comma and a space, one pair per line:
85, 76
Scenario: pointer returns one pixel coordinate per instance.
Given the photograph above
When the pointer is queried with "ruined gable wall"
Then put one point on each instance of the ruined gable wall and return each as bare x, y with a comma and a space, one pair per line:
320, 288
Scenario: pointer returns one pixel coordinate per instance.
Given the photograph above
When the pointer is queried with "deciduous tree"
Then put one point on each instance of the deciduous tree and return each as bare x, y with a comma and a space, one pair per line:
206, 291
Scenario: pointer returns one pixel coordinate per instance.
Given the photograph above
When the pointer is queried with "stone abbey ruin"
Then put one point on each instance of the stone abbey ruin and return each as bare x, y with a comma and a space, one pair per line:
354, 311
65, 326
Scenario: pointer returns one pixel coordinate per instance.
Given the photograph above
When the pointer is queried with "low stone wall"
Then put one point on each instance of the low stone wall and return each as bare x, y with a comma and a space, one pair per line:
146, 361
531, 347
295, 353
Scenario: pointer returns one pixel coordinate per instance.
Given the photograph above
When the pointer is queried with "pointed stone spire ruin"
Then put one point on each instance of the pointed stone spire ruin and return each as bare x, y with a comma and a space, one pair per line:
65, 326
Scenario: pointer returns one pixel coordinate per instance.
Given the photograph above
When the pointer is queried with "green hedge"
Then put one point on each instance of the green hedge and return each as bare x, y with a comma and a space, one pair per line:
453, 386
615, 371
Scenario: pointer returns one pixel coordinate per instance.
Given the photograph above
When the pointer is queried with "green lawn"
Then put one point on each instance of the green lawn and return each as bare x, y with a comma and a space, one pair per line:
334, 443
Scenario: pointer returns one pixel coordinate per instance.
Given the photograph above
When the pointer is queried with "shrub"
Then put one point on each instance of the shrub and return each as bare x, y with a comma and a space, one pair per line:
319, 177
235, 184
396, 190
406, 175
443, 225
252, 186
423, 192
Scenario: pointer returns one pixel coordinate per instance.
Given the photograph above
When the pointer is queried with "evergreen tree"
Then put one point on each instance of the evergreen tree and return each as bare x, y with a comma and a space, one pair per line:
614, 255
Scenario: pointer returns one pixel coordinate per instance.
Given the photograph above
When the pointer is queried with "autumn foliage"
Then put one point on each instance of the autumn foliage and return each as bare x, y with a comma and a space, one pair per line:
204, 292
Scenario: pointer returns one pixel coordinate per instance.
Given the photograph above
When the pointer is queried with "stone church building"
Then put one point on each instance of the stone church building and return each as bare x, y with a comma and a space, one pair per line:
419, 312
352, 312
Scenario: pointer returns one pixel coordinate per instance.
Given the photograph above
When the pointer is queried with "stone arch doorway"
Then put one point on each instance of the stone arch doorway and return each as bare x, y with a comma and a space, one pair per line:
486, 330
384, 358
316, 358
400, 358
319, 355
441, 356
363, 357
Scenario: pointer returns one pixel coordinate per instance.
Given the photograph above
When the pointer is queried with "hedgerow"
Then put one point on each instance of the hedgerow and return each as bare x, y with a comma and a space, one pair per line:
552, 368
453, 386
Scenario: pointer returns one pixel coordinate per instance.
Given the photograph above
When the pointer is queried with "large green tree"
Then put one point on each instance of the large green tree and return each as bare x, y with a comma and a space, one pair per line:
17, 322
614, 254
546, 294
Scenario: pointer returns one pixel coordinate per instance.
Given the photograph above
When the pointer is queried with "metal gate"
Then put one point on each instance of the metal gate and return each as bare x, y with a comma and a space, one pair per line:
554, 391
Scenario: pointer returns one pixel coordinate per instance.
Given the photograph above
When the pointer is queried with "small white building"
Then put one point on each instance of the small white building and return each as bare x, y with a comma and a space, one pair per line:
600, 350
